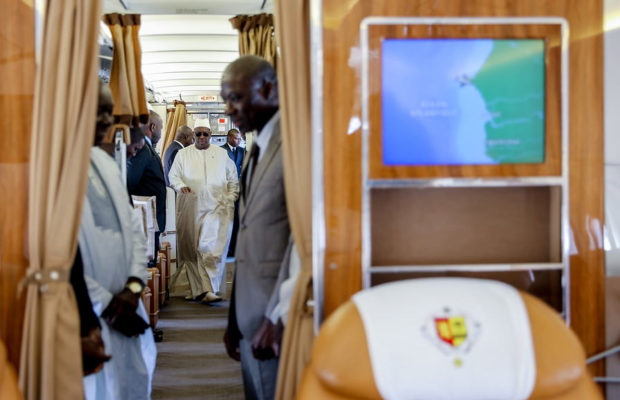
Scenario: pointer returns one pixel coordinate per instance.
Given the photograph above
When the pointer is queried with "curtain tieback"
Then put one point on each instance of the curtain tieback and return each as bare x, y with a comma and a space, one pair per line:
309, 300
43, 277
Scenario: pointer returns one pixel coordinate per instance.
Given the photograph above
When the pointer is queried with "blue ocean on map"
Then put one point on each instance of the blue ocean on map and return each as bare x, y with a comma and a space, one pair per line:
432, 112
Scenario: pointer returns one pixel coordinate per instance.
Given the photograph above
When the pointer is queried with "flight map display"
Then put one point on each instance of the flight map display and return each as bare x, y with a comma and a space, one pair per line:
463, 101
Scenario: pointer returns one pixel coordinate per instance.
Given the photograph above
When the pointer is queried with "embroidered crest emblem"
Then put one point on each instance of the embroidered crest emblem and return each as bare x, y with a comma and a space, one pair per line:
452, 330
454, 333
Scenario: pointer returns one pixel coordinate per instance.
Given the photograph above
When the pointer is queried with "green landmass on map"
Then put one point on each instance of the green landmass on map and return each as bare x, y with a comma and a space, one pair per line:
512, 85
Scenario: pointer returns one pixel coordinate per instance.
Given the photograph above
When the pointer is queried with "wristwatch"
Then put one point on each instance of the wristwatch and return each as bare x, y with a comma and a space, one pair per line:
134, 287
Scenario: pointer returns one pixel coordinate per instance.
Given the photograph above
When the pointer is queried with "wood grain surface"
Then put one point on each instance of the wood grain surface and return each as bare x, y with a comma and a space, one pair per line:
342, 142
17, 69
552, 165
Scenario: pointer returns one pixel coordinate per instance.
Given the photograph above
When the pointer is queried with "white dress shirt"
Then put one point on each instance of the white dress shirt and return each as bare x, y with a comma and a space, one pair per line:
264, 136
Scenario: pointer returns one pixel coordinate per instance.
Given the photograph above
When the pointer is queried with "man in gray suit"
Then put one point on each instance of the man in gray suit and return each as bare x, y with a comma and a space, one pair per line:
254, 332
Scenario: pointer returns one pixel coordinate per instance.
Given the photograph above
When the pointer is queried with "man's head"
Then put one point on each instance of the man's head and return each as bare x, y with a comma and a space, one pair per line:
185, 136
234, 138
202, 133
250, 91
105, 119
137, 142
153, 128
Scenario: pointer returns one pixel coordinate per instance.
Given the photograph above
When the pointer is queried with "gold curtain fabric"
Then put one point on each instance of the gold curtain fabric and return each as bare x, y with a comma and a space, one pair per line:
176, 119
126, 81
292, 32
256, 36
169, 119
65, 107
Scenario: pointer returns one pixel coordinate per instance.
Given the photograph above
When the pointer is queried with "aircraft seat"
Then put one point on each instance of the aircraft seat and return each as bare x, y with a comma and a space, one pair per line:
447, 340
8, 378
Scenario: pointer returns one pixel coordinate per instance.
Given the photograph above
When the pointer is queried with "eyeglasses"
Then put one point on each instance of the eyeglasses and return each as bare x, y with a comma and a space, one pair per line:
199, 134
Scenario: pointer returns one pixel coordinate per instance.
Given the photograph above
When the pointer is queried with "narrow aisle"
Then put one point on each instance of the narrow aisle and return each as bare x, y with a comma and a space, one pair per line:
192, 362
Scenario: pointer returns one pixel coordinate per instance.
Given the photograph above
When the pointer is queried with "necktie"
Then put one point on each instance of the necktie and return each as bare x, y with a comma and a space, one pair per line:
252, 166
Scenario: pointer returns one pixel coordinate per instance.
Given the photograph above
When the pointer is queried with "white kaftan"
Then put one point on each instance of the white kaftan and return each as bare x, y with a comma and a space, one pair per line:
113, 249
204, 216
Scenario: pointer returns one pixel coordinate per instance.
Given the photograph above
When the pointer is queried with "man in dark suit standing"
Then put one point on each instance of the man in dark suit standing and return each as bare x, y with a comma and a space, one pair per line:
254, 331
183, 138
145, 174
236, 154
232, 147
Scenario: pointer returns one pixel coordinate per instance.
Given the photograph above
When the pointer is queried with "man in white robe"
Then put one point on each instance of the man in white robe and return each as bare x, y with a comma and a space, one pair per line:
113, 251
206, 180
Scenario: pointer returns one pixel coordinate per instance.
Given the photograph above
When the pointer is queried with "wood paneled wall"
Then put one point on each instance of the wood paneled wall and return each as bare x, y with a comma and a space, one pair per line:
17, 71
342, 149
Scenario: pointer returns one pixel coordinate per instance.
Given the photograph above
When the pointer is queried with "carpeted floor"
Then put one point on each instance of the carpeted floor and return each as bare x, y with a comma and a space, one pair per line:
192, 361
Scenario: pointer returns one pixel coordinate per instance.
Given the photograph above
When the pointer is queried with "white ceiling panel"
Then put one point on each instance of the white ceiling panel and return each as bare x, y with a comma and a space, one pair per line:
186, 24
155, 77
197, 56
191, 88
183, 67
187, 42
198, 6
186, 54
186, 82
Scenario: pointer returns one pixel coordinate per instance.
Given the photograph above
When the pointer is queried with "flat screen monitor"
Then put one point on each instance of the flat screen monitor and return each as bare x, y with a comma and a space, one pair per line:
463, 101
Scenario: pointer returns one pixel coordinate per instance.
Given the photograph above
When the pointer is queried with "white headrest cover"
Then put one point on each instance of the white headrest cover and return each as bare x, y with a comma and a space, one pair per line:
448, 338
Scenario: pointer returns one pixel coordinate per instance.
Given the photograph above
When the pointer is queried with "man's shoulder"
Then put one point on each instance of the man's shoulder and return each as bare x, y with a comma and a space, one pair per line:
142, 155
148, 157
173, 148
183, 152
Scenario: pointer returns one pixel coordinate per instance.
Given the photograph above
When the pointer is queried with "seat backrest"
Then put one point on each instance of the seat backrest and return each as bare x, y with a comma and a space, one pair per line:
8, 378
341, 366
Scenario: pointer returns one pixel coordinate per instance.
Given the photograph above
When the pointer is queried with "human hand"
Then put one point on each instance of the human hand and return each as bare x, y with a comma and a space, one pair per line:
123, 301
186, 189
278, 333
121, 314
93, 352
266, 341
232, 346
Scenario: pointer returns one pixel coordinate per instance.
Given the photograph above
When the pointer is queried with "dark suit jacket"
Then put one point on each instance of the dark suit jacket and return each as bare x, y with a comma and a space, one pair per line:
262, 241
88, 318
145, 177
169, 155
238, 159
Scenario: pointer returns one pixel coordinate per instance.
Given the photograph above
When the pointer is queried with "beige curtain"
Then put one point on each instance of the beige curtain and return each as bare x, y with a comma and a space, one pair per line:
65, 106
126, 81
169, 118
256, 36
178, 118
292, 32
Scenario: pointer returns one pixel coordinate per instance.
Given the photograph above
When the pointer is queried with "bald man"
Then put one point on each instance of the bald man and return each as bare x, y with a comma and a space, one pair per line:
183, 138
254, 332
